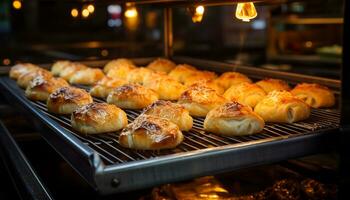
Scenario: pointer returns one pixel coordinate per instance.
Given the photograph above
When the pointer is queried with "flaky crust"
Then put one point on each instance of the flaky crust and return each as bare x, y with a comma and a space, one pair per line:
137, 75
41, 87
150, 133
24, 79
121, 62
199, 100
245, 93
181, 72
166, 87
211, 84
233, 119
228, 79
282, 106
161, 65
132, 96
66, 100
69, 70
20, 69
315, 95
171, 111
97, 118
58, 66
87, 76
105, 86
199, 76
270, 84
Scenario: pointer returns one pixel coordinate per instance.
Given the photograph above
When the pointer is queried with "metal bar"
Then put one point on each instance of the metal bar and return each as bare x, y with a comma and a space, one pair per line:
168, 32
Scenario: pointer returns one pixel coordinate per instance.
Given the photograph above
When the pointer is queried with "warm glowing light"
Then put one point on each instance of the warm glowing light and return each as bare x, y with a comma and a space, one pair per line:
131, 12
6, 61
91, 8
197, 13
85, 13
200, 10
246, 11
74, 12
104, 52
17, 4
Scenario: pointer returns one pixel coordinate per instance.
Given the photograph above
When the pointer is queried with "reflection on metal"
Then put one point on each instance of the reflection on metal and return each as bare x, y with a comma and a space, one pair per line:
168, 32
197, 13
246, 11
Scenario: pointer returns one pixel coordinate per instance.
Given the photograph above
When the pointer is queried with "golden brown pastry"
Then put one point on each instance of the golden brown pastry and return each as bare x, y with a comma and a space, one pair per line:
97, 118
150, 133
166, 87
105, 86
171, 111
315, 95
22, 68
87, 76
228, 79
66, 100
181, 72
24, 79
271, 84
41, 87
199, 100
211, 84
69, 70
282, 106
58, 66
121, 62
245, 93
137, 75
132, 96
199, 76
233, 119
161, 65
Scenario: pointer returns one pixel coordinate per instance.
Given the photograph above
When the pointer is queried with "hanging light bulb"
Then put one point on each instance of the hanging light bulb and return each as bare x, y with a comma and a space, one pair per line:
246, 11
197, 13
131, 11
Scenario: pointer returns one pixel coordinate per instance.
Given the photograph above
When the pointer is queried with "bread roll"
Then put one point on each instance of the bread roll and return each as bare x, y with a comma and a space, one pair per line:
233, 119
97, 118
171, 111
66, 100
245, 93
87, 76
282, 106
150, 133
58, 66
181, 72
228, 79
161, 65
132, 96
22, 68
270, 84
166, 87
315, 95
199, 100
24, 79
199, 76
105, 86
41, 87
211, 84
69, 70
137, 75
121, 62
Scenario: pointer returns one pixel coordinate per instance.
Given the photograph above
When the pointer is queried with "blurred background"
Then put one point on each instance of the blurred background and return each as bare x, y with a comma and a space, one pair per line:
298, 37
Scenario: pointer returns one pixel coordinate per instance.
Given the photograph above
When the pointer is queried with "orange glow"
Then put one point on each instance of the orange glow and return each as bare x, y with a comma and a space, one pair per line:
246, 11
85, 13
74, 12
91, 8
17, 4
131, 12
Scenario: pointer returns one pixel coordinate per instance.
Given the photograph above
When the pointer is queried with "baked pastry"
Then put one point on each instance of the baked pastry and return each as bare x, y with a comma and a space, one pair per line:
233, 119
245, 93
69, 70
132, 96
118, 63
87, 76
166, 87
282, 106
137, 75
66, 100
22, 68
211, 84
199, 100
24, 79
315, 95
105, 86
171, 111
228, 79
271, 84
148, 132
58, 66
199, 76
96, 118
181, 72
161, 65
41, 87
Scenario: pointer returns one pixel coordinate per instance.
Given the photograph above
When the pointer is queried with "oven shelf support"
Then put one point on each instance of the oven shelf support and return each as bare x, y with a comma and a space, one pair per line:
168, 32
